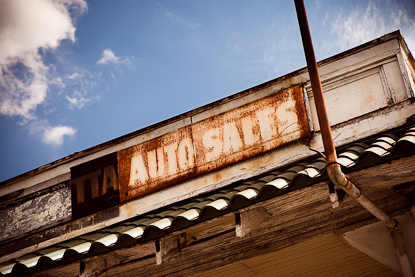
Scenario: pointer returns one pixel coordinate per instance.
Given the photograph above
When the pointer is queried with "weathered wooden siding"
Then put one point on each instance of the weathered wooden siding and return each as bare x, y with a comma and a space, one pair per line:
213, 143
343, 77
368, 56
35, 213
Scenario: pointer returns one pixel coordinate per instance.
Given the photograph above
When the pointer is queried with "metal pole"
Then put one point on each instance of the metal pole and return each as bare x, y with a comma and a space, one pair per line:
316, 84
333, 168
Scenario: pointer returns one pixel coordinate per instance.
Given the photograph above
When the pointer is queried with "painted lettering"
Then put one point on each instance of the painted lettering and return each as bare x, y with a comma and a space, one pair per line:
138, 171
231, 138
266, 122
110, 179
213, 144
79, 184
170, 150
94, 185
186, 154
250, 137
156, 163
164, 161
290, 117
93, 176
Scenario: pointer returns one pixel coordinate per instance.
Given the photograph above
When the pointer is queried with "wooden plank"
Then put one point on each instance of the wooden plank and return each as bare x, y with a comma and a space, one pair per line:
292, 222
16, 248
47, 210
68, 270
296, 211
250, 220
282, 231
128, 269
388, 174
170, 245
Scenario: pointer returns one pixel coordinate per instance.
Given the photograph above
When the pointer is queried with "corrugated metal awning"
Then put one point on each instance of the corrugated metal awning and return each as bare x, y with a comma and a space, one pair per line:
374, 151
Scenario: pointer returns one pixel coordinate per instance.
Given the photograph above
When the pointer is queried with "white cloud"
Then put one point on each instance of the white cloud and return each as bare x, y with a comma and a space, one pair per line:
177, 19
77, 100
365, 23
81, 82
50, 135
108, 57
27, 30
20, 96
73, 76
181, 20
55, 135
113, 76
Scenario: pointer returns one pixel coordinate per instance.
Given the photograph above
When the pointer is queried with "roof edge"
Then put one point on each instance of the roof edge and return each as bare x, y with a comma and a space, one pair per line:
105, 145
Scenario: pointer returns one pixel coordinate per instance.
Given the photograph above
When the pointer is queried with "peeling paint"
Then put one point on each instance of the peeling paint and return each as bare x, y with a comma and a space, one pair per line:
152, 165
35, 213
250, 130
213, 143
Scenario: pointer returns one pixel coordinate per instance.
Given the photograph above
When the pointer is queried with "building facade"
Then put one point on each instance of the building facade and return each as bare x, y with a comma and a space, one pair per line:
237, 187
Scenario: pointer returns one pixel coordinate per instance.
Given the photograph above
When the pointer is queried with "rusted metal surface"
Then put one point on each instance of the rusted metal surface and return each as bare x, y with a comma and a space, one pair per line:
316, 83
250, 130
213, 143
94, 185
154, 164
333, 168
286, 78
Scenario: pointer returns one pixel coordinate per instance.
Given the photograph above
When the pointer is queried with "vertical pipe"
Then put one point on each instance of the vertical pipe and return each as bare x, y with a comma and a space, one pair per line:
333, 168
316, 84
397, 236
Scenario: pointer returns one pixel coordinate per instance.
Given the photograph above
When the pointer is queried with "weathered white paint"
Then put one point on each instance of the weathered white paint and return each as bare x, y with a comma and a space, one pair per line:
64, 167
376, 63
251, 129
352, 97
213, 143
369, 56
396, 85
403, 63
375, 240
410, 70
32, 214
240, 171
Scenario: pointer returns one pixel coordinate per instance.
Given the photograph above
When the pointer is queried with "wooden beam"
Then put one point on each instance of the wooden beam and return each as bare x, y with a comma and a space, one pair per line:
170, 245
388, 174
295, 217
250, 220
99, 265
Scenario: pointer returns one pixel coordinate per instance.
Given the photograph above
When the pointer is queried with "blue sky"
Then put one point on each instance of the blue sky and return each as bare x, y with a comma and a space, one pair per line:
78, 73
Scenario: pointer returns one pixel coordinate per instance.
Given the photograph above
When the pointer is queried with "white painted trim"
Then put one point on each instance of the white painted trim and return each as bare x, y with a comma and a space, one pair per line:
278, 158
404, 72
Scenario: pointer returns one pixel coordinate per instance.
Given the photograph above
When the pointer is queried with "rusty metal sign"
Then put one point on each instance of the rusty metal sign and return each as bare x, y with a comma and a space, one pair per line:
154, 164
213, 143
247, 131
94, 185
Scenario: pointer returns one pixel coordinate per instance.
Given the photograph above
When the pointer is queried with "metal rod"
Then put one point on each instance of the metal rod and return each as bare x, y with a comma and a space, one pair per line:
315, 83
333, 168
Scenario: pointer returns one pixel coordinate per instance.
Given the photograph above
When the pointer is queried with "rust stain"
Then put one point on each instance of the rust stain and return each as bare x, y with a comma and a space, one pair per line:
213, 143
250, 130
155, 164
285, 78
